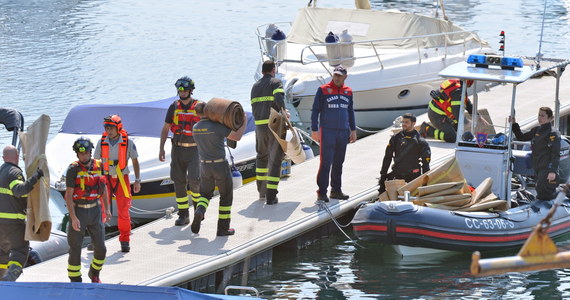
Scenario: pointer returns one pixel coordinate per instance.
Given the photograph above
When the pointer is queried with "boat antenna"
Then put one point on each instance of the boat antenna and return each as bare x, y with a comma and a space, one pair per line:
539, 54
502, 42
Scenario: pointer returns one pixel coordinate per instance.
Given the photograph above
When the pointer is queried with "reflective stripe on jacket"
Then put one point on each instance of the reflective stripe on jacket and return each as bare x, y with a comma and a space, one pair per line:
13, 194
266, 93
87, 181
184, 119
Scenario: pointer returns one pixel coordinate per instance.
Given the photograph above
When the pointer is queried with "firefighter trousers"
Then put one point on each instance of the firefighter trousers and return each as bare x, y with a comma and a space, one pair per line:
217, 174
13, 248
185, 171
444, 129
268, 161
90, 221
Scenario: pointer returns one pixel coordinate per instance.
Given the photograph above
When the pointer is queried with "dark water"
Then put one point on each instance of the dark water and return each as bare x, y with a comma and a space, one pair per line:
55, 54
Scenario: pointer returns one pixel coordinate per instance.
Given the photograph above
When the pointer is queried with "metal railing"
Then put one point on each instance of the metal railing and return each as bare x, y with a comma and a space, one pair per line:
373, 44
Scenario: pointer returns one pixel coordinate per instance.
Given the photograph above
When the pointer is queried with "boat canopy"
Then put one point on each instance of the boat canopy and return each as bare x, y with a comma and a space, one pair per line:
139, 119
313, 24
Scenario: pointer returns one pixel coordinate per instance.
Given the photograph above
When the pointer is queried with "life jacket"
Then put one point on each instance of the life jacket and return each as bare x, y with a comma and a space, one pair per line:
446, 88
184, 119
87, 181
123, 147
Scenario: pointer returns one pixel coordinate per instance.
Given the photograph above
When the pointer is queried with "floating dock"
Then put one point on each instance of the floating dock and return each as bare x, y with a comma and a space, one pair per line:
166, 255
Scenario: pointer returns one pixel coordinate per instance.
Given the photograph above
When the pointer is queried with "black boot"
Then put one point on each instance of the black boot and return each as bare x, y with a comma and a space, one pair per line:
224, 228
14, 271
183, 217
198, 217
271, 197
94, 275
125, 247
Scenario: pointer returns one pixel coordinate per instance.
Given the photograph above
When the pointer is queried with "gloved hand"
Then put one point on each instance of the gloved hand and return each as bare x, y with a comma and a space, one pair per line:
437, 95
39, 173
382, 183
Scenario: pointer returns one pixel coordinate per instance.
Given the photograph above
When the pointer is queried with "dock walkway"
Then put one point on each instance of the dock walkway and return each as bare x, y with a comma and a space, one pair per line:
166, 255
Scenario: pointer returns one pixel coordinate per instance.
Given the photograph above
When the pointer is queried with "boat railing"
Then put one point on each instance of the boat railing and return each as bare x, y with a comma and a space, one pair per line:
319, 53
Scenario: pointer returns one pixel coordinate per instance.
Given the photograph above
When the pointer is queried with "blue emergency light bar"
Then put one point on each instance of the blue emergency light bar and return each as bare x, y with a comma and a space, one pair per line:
484, 61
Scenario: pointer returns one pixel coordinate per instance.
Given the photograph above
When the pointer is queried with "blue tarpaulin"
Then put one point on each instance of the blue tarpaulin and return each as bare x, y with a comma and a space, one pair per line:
139, 119
90, 291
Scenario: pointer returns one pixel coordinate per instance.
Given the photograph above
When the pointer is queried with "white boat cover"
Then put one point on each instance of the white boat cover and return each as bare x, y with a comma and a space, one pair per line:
139, 119
313, 24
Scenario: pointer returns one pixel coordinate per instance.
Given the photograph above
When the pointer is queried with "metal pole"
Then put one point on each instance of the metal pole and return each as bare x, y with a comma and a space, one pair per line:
509, 174
557, 99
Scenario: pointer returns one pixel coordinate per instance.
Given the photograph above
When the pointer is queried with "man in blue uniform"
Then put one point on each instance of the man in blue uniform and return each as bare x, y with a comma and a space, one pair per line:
14, 249
333, 125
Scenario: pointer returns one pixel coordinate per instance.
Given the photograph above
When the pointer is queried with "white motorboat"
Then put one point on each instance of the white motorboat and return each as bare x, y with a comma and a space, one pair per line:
143, 122
393, 58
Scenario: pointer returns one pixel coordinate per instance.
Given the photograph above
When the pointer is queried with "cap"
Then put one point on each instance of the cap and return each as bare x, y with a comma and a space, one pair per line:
340, 70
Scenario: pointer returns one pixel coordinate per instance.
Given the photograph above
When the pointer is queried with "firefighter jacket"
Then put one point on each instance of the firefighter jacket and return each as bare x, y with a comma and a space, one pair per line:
266, 93
87, 182
545, 145
14, 194
182, 118
447, 100
407, 149
333, 108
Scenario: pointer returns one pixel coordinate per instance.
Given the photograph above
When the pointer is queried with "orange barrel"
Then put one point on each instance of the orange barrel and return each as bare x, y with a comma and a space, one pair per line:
227, 112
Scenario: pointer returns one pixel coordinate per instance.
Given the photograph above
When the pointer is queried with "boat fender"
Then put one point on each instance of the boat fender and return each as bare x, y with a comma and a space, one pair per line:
269, 43
346, 49
333, 49
237, 179
308, 151
280, 49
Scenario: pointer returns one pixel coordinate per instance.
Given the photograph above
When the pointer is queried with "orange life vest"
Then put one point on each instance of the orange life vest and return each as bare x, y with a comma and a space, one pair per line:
123, 147
87, 181
447, 87
184, 119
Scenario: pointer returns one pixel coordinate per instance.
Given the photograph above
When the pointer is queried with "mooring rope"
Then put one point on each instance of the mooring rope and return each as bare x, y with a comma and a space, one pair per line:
323, 206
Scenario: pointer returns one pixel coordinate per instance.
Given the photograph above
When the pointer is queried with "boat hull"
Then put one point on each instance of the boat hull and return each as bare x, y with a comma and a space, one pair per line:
406, 224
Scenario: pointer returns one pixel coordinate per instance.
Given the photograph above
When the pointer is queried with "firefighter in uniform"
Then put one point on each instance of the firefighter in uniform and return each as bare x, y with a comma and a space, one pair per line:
407, 148
443, 111
14, 249
214, 170
333, 125
114, 149
184, 165
85, 188
266, 93
545, 145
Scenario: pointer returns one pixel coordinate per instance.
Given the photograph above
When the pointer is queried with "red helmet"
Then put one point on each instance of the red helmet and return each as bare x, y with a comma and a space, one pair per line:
113, 120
